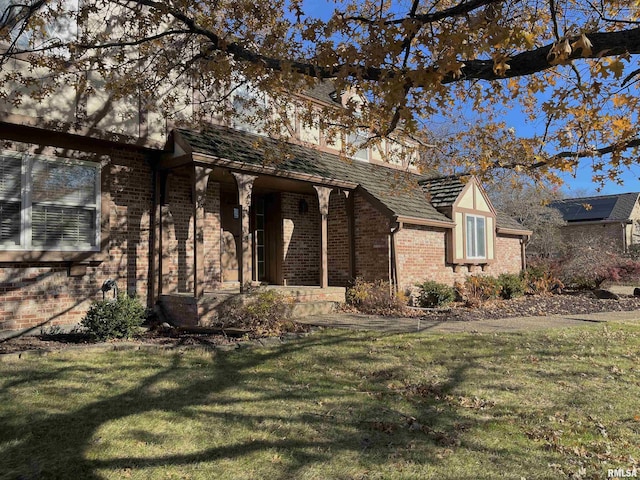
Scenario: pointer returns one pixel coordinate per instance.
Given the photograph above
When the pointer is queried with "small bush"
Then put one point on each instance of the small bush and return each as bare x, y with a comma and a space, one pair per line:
375, 298
262, 313
542, 277
109, 319
434, 294
511, 285
589, 271
477, 289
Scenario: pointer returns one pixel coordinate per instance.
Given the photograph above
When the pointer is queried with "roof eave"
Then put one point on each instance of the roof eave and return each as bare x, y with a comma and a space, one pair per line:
513, 231
424, 221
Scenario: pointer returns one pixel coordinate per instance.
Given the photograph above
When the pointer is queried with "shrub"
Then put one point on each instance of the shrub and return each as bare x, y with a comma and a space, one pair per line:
109, 319
477, 289
511, 285
375, 298
542, 277
262, 313
434, 294
589, 269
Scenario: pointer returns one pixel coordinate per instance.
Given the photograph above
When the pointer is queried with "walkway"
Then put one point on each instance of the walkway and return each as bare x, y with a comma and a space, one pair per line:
357, 321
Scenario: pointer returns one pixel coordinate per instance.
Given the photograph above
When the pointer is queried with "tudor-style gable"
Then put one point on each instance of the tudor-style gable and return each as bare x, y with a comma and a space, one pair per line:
472, 239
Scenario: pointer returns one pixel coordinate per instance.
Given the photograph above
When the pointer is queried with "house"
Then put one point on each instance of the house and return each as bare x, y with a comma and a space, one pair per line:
611, 222
183, 219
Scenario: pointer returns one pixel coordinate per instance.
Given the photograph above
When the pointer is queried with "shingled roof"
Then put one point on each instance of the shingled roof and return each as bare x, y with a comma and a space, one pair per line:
600, 208
398, 190
442, 191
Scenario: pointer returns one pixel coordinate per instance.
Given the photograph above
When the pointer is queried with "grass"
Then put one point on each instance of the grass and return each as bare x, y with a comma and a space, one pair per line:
333, 405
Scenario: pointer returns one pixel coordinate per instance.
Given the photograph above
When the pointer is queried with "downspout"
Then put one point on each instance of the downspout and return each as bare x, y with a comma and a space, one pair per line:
524, 241
394, 283
624, 237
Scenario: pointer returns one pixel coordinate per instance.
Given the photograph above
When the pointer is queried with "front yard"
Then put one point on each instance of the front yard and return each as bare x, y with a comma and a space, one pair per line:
334, 404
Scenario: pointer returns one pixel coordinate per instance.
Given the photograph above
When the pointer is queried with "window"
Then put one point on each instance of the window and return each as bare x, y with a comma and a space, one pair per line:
49, 204
249, 109
58, 18
356, 139
476, 237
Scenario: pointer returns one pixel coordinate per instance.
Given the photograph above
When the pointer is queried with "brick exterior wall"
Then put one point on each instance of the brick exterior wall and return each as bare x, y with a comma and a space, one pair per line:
43, 294
301, 240
338, 240
606, 236
372, 241
177, 237
212, 227
421, 256
508, 255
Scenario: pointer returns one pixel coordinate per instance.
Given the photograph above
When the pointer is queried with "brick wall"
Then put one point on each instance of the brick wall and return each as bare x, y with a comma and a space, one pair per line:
508, 256
177, 236
372, 241
421, 251
338, 240
212, 265
301, 240
607, 237
43, 294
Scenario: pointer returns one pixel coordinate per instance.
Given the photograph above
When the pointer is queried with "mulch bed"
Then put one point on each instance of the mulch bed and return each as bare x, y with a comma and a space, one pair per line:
565, 304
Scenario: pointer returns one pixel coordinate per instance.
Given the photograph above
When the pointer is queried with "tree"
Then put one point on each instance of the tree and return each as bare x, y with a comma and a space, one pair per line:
570, 66
528, 203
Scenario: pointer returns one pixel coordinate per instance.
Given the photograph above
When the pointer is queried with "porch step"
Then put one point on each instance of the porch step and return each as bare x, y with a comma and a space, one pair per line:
182, 309
307, 309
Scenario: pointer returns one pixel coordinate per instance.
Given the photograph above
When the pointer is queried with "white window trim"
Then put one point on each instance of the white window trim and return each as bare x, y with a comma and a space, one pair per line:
26, 204
474, 233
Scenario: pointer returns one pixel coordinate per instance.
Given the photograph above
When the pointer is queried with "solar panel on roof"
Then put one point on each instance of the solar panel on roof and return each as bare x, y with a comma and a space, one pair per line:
600, 208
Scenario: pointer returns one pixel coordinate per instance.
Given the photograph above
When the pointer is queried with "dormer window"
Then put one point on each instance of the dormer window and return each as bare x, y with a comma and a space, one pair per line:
354, 140
249, 109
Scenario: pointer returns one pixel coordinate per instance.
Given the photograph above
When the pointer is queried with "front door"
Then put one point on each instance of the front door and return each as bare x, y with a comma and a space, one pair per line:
267, 238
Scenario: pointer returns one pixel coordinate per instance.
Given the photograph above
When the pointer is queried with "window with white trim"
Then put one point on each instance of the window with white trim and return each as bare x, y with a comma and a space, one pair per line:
476, 237
49, 203
355, 140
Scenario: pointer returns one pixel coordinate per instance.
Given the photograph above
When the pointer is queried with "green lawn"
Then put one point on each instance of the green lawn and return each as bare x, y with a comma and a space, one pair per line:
333, 405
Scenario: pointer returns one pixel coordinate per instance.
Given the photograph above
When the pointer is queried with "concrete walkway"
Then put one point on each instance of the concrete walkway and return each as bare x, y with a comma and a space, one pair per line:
358, 321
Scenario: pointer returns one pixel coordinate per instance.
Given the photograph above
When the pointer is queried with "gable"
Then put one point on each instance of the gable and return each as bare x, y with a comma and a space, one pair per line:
473, 197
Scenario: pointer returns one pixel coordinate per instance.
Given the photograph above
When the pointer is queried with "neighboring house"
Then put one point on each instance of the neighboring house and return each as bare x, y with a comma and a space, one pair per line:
218, 209
609, 222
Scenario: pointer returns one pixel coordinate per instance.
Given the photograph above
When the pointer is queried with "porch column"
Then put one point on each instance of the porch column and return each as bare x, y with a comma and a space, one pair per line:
323, 201
199, 194
245, 254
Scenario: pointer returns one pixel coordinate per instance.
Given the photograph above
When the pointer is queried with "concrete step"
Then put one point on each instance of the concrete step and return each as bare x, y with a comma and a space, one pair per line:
307, 309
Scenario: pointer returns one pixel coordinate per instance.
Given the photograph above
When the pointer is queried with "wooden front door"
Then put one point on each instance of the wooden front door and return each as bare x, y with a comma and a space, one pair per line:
267, 230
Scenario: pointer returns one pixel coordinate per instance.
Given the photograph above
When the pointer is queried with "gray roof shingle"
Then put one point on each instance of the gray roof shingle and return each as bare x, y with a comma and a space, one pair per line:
398, 190
597, 208
403, 193
442, 191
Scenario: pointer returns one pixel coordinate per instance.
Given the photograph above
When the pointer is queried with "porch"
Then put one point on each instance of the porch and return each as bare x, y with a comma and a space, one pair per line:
184, 309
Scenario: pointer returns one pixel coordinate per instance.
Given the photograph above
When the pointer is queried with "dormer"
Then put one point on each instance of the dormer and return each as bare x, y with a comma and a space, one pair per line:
472, 239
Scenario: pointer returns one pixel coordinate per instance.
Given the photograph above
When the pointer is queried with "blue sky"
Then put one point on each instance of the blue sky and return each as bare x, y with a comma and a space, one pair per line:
577, 183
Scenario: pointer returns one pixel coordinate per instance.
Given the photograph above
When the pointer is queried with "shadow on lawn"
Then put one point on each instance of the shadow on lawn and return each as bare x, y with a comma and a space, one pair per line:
56, 444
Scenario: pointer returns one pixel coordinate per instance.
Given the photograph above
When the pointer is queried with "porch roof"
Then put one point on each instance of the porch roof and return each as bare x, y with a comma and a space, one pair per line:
397, 190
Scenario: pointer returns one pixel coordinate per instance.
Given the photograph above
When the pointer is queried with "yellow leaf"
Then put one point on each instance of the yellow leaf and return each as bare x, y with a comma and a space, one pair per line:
616, 66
